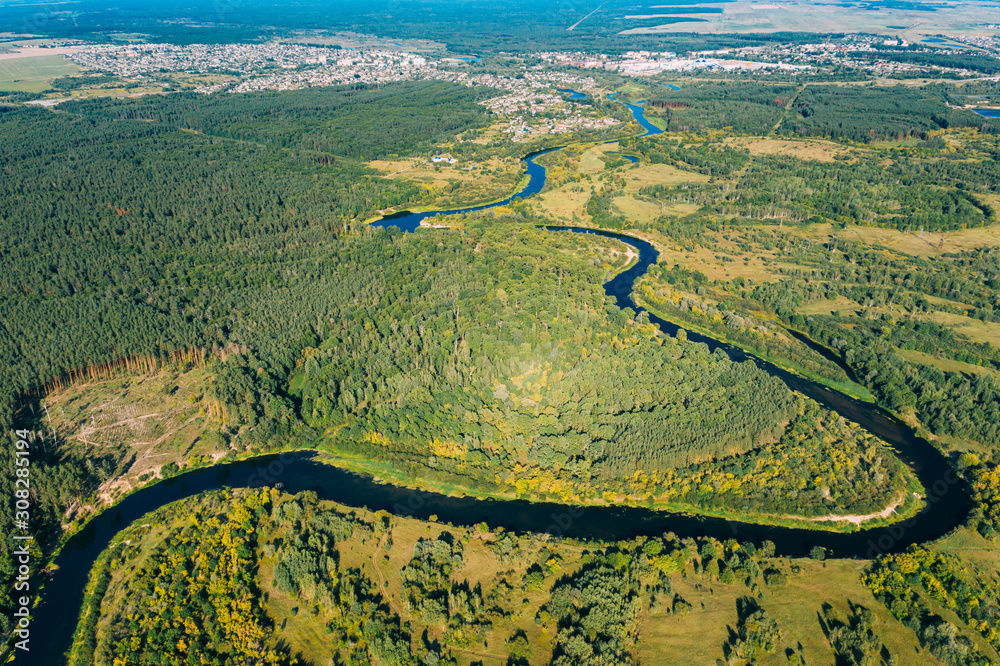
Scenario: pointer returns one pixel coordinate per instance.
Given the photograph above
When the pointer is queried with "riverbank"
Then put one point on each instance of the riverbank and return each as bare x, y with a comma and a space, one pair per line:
383, 472
848, 388
410, 219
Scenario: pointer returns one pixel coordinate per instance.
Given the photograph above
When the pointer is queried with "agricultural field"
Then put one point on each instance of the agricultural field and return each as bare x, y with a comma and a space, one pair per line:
910, 21
33, 74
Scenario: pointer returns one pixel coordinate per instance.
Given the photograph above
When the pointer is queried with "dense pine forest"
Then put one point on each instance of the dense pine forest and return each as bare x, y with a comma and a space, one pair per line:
133, 242
852, 113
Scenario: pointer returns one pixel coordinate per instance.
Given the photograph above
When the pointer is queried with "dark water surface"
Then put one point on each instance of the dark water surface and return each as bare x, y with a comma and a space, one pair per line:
947, 506
573, 94
409, 222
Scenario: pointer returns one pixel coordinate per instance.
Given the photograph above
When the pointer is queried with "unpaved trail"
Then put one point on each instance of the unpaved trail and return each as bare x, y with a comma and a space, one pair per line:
856, 519
383, 588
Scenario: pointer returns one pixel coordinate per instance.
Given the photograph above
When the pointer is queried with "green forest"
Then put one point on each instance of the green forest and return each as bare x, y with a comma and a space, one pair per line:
849, 113
897, 299
290, 579
230, 233
140, 233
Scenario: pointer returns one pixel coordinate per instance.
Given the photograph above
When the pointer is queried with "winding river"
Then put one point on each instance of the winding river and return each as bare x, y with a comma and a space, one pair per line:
947, 503
409, 222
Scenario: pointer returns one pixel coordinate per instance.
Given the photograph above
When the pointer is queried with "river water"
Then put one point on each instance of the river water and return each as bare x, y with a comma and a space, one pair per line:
948, 502
573, 94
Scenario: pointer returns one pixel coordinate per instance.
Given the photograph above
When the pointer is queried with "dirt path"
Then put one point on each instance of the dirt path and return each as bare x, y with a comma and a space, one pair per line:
586, 17
485, 655
788, 108
383, 588
415, 164
856, 519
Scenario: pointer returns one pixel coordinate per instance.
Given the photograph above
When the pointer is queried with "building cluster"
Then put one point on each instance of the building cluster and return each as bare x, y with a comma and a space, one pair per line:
281, 66
268, 66
987, 42
531, 113
858, 51
536, 79
521, 128
529, 102
646, 63
648, 67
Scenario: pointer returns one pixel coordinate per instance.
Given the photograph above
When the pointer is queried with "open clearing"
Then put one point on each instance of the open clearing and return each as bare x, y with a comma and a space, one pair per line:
712, 263
826, 306
158, 419
659, 174
33, 74
821, 151
567, 203
929, 244
592, 159
974, 329
720, 259
947, 365
639, 210
440, 174
306, 633
698, 638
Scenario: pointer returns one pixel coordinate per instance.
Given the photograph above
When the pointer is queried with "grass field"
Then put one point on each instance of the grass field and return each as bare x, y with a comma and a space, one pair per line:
913, 243
826, 306
720, 261
975, 551
568, 202
640, 210
694, 638
33, 74
810, 149
698, 638
946, 364
980, 331
306, 633
659, 174
592, 159
455, 185
980, 561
